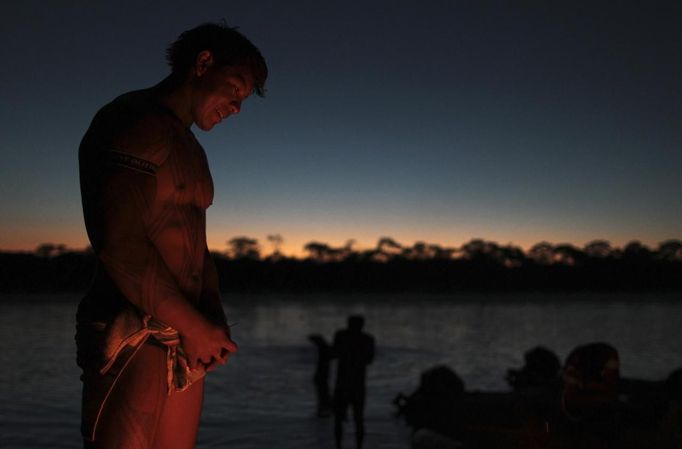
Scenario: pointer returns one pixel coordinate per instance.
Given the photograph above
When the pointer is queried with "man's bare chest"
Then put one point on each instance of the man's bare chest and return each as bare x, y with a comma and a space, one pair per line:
184, 180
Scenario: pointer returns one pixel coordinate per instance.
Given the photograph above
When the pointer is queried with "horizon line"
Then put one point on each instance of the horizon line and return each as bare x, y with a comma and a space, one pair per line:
361, 248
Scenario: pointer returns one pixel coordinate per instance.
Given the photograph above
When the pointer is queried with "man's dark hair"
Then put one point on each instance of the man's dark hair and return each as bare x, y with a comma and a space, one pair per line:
228, 46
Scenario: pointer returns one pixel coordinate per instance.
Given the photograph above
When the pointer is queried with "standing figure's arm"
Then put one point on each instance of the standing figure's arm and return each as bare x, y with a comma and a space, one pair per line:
335, 349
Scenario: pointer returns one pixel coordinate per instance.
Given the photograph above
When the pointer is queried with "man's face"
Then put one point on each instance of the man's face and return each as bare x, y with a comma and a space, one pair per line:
219, 93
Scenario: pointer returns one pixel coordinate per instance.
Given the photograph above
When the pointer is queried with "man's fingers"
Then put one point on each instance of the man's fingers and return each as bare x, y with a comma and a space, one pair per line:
217, 355
192, 363
224, 356
218, 359
230, 345
212, 365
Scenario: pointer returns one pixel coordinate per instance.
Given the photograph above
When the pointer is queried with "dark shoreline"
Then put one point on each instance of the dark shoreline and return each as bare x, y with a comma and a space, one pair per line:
71, 272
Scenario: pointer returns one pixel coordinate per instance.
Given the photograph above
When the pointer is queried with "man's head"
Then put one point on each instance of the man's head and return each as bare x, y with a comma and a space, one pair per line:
227, 45
356, 322
590, 376
223, 68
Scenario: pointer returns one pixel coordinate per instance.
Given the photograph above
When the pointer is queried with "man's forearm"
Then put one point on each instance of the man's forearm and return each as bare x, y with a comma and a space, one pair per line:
211, 303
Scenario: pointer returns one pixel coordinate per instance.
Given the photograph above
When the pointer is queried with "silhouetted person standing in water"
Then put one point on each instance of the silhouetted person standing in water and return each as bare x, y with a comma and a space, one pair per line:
354, 350
321, 377
152, 322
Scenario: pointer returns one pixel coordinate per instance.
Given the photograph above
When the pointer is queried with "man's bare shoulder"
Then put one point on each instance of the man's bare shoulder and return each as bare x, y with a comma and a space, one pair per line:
135, 125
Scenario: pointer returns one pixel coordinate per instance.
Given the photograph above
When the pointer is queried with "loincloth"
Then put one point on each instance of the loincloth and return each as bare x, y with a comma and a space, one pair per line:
105, 349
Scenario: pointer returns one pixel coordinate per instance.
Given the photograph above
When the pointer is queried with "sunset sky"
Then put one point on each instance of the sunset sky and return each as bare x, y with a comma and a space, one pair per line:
438, 121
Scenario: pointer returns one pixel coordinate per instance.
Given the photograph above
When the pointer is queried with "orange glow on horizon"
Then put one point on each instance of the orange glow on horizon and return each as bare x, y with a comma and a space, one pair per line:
294, 247
30, 237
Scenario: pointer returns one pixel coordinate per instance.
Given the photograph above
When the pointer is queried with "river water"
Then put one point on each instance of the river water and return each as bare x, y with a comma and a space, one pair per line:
264, 397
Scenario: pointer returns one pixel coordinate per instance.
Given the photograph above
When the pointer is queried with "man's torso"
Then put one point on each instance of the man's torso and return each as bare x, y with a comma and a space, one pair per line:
140, 134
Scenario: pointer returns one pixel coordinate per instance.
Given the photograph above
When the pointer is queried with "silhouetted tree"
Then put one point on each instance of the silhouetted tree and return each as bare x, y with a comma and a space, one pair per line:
244, 248
479, 249
474, 248
441, 253
567, 254
276, 240
347, 249
317, 251
420, 251
321, 252
635, 250
389, 246
600, 249
50, 249
511, 256
427, 251
542, 253
670, 250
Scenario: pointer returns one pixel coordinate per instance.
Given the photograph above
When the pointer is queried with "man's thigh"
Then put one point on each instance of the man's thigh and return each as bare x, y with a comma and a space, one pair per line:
132, 411
179, 423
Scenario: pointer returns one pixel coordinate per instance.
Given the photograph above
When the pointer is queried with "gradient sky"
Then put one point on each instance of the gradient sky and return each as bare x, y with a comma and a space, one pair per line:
433, 120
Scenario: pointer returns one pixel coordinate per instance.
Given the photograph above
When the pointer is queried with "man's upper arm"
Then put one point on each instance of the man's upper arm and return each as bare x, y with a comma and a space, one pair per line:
211, 303
124, 179
210, 285
125, 250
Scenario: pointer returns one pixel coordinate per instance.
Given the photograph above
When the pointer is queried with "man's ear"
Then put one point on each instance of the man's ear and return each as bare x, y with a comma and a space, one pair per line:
203, 62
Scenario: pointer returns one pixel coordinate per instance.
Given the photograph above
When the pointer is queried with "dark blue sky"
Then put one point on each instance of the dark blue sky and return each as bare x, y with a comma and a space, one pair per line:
434, 120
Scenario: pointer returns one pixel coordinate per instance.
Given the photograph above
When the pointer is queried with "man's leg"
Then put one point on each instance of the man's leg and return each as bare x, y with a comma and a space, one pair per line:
323, 400
131, 413
179, 422
338, 429
359, 418
340, 408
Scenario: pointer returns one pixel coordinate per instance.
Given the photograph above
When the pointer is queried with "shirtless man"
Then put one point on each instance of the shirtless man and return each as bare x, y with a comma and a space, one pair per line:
152, 323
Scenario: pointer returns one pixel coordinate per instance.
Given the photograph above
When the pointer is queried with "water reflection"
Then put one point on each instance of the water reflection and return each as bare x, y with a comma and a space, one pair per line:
266, 390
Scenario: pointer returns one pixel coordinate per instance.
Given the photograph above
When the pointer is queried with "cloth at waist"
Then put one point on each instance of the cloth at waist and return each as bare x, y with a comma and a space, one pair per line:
179, 375
105, 349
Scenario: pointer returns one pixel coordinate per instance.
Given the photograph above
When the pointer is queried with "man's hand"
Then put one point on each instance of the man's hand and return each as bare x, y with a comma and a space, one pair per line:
208, 344
225, 354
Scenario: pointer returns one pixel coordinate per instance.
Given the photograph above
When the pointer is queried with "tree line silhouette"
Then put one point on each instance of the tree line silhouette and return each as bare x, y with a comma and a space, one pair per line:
389, 266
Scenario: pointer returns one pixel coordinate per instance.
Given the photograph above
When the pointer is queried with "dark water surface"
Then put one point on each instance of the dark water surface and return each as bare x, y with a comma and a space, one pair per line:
264, 397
